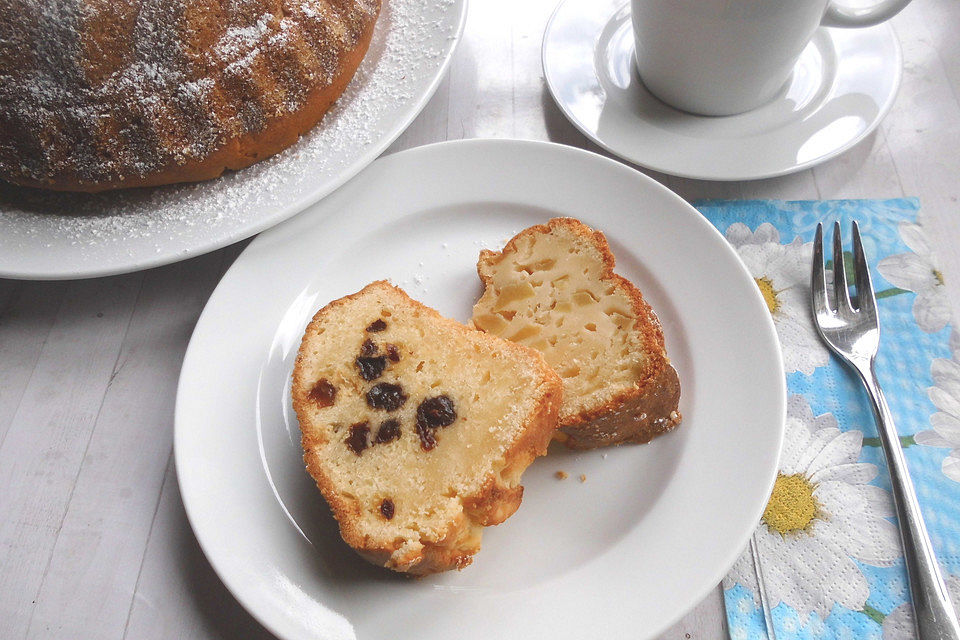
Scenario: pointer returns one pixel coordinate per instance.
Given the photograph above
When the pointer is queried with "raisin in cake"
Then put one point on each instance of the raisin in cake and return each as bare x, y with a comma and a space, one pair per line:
416, 428
553, 288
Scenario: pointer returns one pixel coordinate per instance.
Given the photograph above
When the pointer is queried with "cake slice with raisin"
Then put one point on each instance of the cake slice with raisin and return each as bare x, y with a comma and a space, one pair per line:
553, 288
416, 428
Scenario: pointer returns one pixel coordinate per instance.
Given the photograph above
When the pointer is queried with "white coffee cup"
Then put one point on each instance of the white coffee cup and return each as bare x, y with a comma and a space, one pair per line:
721, 57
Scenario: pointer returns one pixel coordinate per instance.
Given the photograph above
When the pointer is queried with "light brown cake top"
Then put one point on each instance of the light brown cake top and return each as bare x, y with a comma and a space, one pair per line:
101, 90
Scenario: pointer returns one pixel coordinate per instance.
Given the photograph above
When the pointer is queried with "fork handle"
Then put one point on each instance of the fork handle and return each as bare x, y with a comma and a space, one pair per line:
935, 616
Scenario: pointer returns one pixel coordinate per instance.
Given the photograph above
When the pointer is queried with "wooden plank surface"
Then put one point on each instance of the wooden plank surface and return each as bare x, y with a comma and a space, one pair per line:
94, 542
103, 533
44, 448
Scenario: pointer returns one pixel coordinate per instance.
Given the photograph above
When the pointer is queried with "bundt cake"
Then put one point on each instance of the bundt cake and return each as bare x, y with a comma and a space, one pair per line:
416, 428
97, 94
553, 288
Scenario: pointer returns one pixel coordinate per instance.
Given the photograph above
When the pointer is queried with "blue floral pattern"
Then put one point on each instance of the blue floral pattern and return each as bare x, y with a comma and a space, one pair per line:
907, 370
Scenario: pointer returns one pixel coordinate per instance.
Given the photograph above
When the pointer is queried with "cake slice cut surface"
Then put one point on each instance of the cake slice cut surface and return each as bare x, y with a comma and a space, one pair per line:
416, 428
553, 288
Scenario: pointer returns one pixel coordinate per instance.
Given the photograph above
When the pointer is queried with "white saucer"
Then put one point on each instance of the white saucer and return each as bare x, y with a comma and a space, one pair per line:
842, 86
620, 556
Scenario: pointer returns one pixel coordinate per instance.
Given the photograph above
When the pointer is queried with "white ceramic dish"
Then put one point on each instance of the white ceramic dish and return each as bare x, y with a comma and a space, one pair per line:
841, 88
622, 555
46, 235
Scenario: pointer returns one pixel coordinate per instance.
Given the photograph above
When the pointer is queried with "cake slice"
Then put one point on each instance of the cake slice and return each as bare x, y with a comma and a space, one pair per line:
416, 428
553, 288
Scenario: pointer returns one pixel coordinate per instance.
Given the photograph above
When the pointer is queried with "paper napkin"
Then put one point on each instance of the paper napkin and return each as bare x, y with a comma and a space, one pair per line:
828, 545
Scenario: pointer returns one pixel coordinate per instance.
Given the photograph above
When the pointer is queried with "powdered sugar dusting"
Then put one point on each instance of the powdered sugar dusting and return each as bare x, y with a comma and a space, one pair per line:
96, 92
61, 233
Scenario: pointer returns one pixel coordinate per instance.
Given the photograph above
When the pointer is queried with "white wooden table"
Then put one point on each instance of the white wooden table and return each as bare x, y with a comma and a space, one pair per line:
94, 542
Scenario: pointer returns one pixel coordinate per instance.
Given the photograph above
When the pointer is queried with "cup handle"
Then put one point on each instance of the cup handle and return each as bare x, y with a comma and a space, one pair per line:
839, 16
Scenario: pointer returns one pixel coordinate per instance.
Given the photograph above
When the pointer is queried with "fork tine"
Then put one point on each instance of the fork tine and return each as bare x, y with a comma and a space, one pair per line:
818, 281
866, 300
841, 291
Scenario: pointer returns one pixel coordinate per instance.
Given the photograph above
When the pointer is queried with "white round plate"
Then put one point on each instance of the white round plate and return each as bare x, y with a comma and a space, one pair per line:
843, 84
620, 556
48, 235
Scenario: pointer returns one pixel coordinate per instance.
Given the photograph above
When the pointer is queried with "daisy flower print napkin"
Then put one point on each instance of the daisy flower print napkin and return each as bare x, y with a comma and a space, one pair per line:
827, 545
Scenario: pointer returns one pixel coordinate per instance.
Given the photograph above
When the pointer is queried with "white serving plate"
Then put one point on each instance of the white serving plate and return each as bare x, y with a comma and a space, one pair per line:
49, 235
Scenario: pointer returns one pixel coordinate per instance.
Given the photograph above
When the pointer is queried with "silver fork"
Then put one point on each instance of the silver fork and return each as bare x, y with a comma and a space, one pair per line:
854, 335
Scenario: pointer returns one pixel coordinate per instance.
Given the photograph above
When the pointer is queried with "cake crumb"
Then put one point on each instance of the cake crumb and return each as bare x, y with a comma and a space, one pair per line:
561, 475
583, 477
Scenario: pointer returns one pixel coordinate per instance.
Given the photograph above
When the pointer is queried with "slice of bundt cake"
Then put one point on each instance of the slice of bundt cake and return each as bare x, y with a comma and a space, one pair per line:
553, 288
416, 428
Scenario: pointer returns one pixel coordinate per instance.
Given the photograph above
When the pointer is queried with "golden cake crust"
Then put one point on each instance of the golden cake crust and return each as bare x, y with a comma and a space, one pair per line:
498, 495
98, 95
635, 414
635, 417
